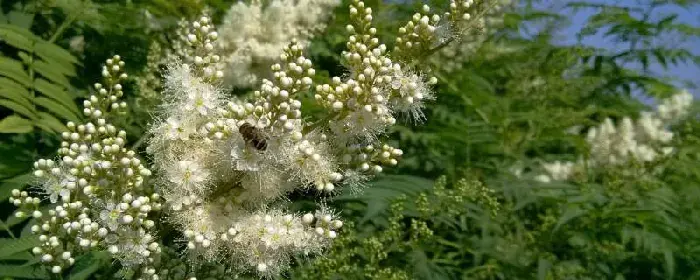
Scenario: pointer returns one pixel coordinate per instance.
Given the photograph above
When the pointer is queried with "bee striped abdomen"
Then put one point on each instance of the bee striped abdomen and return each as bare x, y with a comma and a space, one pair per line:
253, 136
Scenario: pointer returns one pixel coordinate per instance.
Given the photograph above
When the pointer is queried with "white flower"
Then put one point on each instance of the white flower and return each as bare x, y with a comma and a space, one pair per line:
409, 91
245, 157
134, 246
676, 107
56, 188
201, 101
559, 171
254, 34
188, 174
543, 178
177, 130
111, 214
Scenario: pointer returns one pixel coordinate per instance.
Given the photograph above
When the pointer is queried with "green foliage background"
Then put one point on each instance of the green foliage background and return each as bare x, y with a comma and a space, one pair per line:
461, 214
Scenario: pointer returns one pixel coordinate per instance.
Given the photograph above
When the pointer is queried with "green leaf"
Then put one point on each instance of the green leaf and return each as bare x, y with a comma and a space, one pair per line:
56, 108
56, 93
13, 246
15, 70
670, 263
13, 220
50, 123
15, 124
64, 68
12, 90
10, 84
51, 52
17, 108
24, 272
21, 97
88, 264
543, 268
20, 18
17, 182
17, 37
578, 240
49, 71
21, 256
571, 212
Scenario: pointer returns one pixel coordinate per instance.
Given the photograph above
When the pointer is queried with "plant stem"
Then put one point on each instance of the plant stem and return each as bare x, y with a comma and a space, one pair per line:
61, 29
9, 232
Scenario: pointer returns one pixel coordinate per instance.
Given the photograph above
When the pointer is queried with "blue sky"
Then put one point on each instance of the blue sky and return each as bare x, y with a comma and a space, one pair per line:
691, 16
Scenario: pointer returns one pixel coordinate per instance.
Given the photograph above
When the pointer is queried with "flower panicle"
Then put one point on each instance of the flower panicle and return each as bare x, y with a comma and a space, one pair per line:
643, 140
254, 34
227, 166
96, 189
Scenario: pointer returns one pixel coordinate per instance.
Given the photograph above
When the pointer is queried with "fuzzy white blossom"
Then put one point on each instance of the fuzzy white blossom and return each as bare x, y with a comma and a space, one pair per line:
559, 170
675, 107
452, 57
226, 166
254, 34
643, 140
225, 163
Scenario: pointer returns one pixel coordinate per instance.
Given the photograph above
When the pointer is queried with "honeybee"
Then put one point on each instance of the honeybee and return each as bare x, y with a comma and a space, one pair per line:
253, 136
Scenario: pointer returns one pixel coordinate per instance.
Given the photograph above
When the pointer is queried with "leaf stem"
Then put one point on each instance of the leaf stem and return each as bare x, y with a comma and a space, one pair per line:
61, 29
8, 230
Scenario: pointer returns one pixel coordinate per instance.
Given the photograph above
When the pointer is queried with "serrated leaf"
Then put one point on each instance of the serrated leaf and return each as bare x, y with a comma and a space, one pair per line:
15, 124
13, 246
9, 84
14, 70
670, 263
44, 127
56, 108
87, 264
13, 220
24, 272
52, 52
571, 212
27, 229
543, 268
49, 72
20, 97
50, 123
21, 256
20, 18
20, 179
57, 93
421, 265
17, 37
578, 240
17, 108
62, 67
25, 57
19, 161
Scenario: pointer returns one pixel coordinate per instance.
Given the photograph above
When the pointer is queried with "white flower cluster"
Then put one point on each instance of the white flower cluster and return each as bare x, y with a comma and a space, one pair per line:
452, 57
96, 189
427, 33
363, 105
253, 35
224, 164
643, 140
676, 107
194, 46
227, 166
